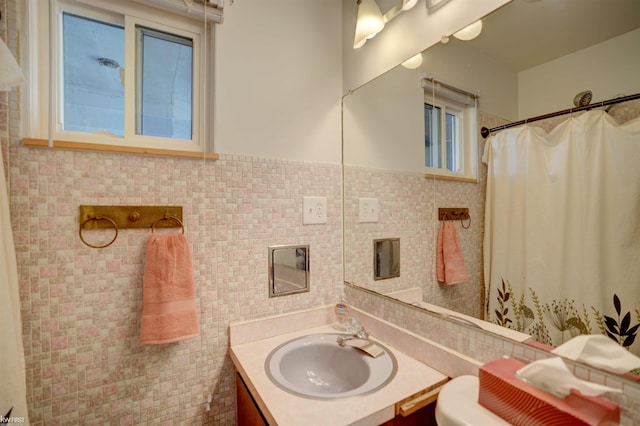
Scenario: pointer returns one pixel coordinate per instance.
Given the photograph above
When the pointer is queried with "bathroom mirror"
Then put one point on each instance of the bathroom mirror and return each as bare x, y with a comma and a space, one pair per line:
379, 155
288, 270
386, 258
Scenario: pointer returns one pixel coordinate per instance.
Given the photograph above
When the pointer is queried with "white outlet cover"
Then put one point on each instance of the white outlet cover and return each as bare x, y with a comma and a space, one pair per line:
314, 210
368, 209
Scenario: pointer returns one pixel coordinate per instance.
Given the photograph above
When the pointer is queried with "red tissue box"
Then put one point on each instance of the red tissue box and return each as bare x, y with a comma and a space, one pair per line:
520, 403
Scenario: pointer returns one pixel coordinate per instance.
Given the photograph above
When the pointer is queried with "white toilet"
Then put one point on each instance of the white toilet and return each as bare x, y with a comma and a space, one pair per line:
458, 405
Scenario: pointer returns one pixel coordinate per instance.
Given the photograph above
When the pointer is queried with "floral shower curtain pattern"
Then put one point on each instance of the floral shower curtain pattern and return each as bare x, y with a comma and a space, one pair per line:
562, 230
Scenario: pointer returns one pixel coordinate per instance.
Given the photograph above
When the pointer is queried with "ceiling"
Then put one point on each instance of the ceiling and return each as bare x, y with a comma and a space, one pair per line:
514, 36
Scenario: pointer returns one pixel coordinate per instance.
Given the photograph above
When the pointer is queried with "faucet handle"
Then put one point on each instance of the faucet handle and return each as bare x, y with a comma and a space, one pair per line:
352, 325
362, 333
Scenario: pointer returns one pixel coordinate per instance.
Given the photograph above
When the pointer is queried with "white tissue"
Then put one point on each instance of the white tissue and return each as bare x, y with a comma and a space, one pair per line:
553, 376
599, 351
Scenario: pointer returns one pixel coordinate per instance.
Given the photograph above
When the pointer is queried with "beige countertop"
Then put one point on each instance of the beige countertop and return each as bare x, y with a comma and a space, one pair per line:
282, 408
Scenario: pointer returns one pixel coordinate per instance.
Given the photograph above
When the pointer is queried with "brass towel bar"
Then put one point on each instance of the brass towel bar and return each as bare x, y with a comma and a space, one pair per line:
127, 217
449, 213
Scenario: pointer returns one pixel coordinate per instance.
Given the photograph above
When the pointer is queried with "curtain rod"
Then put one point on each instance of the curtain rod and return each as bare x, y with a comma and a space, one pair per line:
486, 132
437, 83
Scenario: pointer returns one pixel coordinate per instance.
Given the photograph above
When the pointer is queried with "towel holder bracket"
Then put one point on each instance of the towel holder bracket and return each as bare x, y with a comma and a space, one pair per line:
456, 213
130, 217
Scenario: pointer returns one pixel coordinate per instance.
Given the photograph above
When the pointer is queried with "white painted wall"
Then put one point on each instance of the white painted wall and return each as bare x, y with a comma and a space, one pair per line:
458, 65
282, 66
409, 33
608, 69
383, 123
278, 80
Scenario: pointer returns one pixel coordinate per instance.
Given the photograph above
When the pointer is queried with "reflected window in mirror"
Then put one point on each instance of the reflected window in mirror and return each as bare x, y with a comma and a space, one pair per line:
442, 136
450, 136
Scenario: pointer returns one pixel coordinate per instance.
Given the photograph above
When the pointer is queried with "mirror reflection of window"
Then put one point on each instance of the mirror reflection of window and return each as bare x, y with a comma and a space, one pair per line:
450, 135
444, 142
432, 139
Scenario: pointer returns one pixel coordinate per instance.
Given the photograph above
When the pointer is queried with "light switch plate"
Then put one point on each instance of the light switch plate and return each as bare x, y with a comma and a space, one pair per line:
369, 209
314, 210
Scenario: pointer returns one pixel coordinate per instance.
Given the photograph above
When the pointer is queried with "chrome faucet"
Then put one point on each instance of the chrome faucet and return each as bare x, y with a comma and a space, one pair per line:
361, 334
360, 340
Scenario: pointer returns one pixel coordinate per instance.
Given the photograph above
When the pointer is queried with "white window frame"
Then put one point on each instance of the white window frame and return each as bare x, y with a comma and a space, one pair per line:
43, 107
467, 143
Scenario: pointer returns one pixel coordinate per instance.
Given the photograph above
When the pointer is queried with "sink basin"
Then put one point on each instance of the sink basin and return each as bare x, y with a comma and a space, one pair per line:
314, 366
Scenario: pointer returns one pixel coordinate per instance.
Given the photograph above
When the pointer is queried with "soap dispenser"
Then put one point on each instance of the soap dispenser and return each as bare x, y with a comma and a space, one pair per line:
341, 311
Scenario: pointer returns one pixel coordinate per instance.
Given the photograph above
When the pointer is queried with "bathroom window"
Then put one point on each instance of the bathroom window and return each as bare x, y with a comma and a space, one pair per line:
442, 137
450, 145
121, 73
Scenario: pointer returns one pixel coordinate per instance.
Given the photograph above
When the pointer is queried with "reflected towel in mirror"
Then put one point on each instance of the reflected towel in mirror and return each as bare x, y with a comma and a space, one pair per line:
450, 267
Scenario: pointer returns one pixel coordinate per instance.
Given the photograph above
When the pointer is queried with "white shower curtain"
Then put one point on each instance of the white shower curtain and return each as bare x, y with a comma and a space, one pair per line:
562, 229
13, 393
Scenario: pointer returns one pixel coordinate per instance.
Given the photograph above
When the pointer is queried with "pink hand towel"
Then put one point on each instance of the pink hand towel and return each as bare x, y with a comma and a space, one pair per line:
440, 255
169, 309
450, 267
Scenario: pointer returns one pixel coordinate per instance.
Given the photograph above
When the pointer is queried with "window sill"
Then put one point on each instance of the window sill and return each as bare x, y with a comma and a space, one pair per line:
456, 178
43, 143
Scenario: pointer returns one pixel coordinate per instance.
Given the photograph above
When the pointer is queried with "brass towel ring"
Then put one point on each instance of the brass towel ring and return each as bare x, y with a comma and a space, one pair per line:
462, 222
451, 217
167, 217
115, 226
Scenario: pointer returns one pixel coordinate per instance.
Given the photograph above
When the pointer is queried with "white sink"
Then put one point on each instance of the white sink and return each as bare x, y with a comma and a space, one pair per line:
315, 366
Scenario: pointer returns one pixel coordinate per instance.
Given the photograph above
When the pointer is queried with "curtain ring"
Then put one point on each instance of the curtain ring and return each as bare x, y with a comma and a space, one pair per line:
115, 226
167, 217
462, 222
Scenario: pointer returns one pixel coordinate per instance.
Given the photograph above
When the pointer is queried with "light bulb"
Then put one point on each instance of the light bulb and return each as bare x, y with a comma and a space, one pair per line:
408, 4
470, 31
413, 62
368, 23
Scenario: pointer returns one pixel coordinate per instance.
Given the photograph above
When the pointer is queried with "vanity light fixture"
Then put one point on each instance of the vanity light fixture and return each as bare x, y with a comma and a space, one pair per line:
408, 4
432, 5
470, 31
369, 22
413, 62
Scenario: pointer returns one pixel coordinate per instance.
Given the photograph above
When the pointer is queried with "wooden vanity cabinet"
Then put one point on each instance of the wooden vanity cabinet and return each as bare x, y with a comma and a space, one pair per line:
247, 411
418, 410
426, 416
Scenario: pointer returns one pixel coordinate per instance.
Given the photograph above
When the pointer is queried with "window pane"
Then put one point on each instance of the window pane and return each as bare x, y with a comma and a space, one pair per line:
432, 133
452, 142
164, 103
93, 98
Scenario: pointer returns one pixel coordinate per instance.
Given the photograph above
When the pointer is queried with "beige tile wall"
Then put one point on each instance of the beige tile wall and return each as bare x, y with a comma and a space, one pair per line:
81, 306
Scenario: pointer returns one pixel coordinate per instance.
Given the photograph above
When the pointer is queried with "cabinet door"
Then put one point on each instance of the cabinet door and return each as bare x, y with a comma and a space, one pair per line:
247, 412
